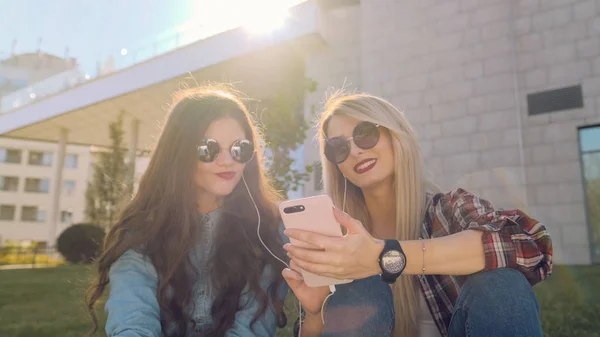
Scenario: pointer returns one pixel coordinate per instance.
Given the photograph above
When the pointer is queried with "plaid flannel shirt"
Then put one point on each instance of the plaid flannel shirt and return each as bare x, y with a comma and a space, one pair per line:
511, 239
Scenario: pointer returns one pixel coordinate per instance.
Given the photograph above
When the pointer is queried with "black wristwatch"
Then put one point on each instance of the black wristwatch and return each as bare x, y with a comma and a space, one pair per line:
392, 261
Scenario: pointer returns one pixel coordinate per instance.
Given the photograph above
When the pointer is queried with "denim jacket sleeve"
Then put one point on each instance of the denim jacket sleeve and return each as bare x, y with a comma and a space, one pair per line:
132, 306
267, 324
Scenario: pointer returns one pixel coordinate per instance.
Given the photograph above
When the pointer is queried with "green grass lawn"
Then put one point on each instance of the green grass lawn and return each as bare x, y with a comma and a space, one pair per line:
48, 303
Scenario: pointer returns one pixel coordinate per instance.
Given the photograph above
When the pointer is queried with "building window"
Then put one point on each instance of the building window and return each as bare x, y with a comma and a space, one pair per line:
7, 212
9, 184
69, 187
66, 217
37, 185
589, 144
33, 214
12, 156
71, 161
40, 158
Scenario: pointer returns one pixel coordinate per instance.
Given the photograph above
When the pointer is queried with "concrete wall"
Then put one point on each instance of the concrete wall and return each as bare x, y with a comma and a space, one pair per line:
460, 70
558, 45
333, 65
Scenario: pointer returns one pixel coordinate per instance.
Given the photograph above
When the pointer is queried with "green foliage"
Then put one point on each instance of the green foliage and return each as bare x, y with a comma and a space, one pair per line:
107, 189
284, 130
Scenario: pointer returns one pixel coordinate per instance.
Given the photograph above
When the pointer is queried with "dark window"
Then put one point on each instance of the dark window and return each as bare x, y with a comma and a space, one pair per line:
66, 217
37, 185
33, 214
12, 156
7, 212
555, 100
9, 184
40, 158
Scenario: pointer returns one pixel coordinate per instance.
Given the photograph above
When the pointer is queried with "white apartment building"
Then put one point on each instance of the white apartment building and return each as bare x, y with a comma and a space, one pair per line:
26, 179
26, 167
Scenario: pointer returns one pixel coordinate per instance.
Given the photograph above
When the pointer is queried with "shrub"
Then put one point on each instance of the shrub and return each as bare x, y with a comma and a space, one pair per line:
80, 243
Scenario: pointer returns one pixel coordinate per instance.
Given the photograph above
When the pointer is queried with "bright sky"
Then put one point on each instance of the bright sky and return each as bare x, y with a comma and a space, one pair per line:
93, 29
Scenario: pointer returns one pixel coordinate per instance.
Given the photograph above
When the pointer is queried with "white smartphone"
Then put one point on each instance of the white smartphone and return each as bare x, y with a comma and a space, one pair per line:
313, 214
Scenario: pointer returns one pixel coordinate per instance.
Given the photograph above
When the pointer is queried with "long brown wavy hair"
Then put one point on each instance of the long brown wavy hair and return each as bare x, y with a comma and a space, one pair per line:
163, 218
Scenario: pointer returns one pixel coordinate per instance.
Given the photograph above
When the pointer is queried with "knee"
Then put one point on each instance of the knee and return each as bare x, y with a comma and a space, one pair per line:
361, 308
499, 288
496, 303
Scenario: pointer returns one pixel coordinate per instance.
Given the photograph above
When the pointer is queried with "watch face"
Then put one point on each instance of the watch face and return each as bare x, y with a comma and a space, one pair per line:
393, 261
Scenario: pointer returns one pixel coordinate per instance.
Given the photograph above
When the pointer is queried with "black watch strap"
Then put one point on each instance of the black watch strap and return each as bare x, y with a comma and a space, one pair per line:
392, 261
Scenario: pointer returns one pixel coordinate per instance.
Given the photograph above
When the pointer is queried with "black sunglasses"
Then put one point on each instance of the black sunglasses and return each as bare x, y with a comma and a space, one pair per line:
365, 135
241, 150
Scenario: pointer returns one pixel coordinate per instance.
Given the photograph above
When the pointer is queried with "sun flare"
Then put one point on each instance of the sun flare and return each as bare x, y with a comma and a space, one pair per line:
257, 16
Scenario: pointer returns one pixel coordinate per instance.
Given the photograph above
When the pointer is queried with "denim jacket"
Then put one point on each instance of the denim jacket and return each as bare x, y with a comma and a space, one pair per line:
133, 309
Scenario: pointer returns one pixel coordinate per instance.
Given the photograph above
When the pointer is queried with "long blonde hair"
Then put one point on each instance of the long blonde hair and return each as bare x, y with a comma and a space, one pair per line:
410, 186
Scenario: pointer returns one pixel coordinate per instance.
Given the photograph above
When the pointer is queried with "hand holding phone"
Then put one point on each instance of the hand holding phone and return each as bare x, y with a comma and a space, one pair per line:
313, 214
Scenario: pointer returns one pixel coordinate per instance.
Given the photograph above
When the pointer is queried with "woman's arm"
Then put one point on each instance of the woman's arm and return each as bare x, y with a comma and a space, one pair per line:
132, 306
312, 326
509, 238
477, 238
312, 299
456, 254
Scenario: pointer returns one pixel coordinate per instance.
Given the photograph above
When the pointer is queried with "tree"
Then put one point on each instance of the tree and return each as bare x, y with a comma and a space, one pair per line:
284, 130
107, 189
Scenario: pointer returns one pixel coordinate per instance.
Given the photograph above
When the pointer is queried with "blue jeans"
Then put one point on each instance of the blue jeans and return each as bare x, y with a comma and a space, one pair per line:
361, 308
496, 303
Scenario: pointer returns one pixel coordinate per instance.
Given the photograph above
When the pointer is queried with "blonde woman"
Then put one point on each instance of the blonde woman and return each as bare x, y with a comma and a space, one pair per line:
456, 265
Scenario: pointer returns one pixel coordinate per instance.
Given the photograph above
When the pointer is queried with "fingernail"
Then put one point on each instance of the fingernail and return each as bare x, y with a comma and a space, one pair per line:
339, 211
296, 276
287, 246
293, 275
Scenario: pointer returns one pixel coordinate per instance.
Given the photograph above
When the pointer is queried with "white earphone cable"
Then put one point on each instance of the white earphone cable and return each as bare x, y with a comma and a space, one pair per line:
331, 287
258, 226
270, 252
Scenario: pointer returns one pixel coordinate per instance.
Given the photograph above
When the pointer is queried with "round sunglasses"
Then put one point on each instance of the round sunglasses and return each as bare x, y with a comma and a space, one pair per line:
241, 150
365, 135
